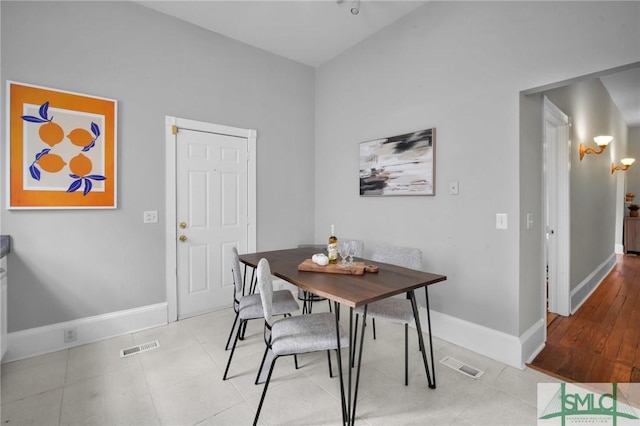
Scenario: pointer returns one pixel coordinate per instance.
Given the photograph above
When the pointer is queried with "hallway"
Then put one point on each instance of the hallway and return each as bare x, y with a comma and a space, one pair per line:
599, 343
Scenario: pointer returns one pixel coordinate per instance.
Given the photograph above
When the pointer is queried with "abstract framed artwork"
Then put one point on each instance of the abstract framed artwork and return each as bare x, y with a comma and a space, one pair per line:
62, 149
399, 165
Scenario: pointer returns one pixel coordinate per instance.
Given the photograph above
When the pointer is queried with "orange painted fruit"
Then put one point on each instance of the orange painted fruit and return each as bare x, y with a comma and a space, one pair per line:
51, 133
51, 163
80, 165
80, 137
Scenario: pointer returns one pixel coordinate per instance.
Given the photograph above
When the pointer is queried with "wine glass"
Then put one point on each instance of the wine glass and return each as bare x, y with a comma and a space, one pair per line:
343, 250
353, 247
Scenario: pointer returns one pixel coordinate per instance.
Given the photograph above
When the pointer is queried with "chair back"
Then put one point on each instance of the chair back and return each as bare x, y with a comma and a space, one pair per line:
235, 271
359, 246
266, 288
317, 246
400, 256
321, 247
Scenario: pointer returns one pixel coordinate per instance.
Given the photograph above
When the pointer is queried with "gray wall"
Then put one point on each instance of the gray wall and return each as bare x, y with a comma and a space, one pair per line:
531, 257
73, 264
593, 187
459, 67
633, 174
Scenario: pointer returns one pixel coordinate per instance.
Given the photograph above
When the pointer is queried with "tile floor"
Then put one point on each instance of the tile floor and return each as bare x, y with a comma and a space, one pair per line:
180, 383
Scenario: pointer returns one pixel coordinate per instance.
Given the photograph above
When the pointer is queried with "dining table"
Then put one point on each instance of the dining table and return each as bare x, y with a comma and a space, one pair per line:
353, 291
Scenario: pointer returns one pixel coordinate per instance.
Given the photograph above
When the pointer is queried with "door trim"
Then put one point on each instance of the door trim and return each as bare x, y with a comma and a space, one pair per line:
170, 197
559, 295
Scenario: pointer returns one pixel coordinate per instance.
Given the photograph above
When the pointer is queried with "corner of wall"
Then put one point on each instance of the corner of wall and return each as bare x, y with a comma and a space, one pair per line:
491, 343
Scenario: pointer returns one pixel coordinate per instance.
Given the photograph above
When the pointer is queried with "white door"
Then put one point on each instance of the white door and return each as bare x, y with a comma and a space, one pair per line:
211, 213
557, 192
206, 190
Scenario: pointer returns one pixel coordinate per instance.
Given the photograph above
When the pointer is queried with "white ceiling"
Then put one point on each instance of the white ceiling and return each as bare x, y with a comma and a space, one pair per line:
310, 32
313, 32
624, 88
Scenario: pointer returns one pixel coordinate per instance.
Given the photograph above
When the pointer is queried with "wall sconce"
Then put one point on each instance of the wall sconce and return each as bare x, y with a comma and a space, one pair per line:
626, 163
601, 141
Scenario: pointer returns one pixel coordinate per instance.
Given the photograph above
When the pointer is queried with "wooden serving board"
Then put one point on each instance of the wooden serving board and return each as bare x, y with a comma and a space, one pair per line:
332, 268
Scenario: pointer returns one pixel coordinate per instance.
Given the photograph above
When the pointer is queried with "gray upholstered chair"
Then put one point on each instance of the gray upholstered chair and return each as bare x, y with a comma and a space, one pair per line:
394, 309
296, 334
250, 306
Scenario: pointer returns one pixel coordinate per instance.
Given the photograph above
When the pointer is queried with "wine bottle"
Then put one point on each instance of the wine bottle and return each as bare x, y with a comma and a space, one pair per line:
332, 247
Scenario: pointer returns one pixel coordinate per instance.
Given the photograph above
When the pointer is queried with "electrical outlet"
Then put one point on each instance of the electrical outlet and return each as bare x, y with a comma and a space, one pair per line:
150, 216
453, 187
70, 335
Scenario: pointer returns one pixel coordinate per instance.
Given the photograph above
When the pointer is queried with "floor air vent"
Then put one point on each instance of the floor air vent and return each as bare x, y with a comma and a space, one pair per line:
461, 367
140, 348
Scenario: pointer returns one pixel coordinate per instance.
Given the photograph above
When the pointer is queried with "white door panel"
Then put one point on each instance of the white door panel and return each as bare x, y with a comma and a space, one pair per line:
557, 196
211, 200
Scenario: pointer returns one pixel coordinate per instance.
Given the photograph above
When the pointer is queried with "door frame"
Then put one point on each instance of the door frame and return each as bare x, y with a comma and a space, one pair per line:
172, 126
559, 294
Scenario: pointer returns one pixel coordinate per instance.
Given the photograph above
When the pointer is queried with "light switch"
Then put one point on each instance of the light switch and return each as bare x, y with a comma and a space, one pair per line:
529, 220
501, 221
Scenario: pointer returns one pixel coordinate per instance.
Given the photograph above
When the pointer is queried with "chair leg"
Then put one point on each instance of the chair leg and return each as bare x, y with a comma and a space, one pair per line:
329, 359
264, 391
244, 279
233, 349
233, 327
254, 282
264, 357
406, 354
295, 361
243, 330
306, 303
373, 321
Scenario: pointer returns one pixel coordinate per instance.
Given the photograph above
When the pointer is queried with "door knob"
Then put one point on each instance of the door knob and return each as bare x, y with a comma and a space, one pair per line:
183, 238
182, 225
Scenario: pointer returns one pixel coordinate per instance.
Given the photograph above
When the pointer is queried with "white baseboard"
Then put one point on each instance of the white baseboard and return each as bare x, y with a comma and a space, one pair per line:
503, 347
584, 289
532, 341
50, 338
619, 248
500, 346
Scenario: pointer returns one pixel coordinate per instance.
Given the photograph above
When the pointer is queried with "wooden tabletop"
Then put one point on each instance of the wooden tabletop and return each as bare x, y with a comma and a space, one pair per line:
350, 290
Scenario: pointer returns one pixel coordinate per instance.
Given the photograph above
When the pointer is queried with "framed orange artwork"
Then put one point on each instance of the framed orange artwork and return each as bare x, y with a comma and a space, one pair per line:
62, 149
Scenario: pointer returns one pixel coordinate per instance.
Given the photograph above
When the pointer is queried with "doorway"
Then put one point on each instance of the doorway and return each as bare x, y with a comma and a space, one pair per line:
211, 206
556, 209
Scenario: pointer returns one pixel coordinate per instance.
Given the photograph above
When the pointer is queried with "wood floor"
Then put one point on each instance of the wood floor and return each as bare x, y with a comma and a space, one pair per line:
600, 342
